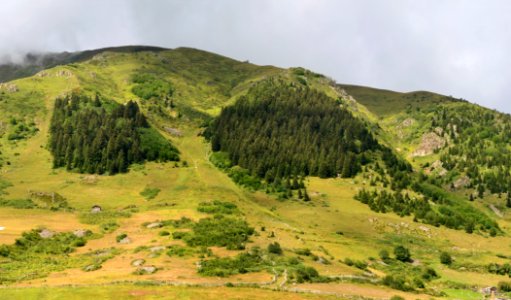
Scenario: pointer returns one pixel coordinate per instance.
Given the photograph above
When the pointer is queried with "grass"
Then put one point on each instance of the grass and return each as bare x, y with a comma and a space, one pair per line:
142, 291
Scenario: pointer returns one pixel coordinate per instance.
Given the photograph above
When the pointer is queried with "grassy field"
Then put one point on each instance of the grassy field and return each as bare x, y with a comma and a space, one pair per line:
333, 225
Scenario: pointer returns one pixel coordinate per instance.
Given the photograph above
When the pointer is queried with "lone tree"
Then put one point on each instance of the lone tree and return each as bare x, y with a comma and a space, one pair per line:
445, 258
402, 254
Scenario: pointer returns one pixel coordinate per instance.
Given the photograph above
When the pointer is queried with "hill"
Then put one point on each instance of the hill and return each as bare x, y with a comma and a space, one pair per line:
254, 203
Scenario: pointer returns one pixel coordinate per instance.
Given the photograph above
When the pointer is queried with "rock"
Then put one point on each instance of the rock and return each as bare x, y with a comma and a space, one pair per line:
90, 179
91, 268
147, 270
42, 74
81, 232
424, 228
431, 141
496, 211
437, 168
157, 249
9, 87
173, 131
461, 182
125, 240
154, 225
95, 209
64, 73
46, 234
138, 262
408, 122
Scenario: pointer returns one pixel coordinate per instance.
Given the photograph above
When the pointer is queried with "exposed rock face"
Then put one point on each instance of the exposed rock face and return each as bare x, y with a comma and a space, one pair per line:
64, 73
461, 182
9, 87
431, 141
437, 168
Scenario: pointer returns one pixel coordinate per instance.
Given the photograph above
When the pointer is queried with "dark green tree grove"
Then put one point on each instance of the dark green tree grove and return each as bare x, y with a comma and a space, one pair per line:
279, 130
90, 137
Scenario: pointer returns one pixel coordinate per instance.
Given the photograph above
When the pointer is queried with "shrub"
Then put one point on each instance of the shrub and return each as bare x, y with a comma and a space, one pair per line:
220, 231
306, 274
121, 237
504, 286
384, 255
402, 254
275, 248
397, 282
304, 252
164, 233
445, 258
218, 207
150, 193
178, 235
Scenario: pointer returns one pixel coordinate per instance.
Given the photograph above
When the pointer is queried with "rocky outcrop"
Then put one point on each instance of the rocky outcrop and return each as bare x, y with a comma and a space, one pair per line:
9, 87
430, 142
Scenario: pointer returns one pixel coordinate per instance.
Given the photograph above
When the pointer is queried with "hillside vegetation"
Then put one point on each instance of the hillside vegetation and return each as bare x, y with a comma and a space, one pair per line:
196, 174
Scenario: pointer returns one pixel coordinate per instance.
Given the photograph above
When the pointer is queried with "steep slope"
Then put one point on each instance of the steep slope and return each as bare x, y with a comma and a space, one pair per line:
194, 223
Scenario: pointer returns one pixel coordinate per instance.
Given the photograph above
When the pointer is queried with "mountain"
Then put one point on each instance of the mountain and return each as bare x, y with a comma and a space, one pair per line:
180, 167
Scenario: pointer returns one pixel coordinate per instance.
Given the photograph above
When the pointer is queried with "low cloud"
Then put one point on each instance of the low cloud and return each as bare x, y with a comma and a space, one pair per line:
453, 47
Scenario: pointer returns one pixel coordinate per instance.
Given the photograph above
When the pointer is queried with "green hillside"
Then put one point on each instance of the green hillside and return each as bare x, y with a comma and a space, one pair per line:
174, 173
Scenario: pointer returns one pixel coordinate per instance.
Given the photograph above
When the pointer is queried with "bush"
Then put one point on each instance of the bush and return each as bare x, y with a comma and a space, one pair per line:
164, 233
218, 207
445, 258
220, 231
306, 274
121, 237
384, 255
402, 254
275, 248
504, 286
304, 252
397, 282
179, 235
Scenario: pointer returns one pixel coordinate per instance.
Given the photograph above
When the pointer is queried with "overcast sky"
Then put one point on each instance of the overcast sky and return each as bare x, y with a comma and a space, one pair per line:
459, 48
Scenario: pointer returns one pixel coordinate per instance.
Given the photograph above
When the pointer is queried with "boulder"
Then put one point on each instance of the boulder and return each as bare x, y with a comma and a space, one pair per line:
138, 262
46, 234
154, 225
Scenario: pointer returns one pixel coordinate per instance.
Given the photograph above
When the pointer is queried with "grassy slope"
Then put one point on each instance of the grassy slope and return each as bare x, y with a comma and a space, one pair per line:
201, 81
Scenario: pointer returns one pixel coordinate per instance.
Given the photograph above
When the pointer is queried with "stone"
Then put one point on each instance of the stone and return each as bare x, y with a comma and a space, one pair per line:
46, 234
138, 262
154, 225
